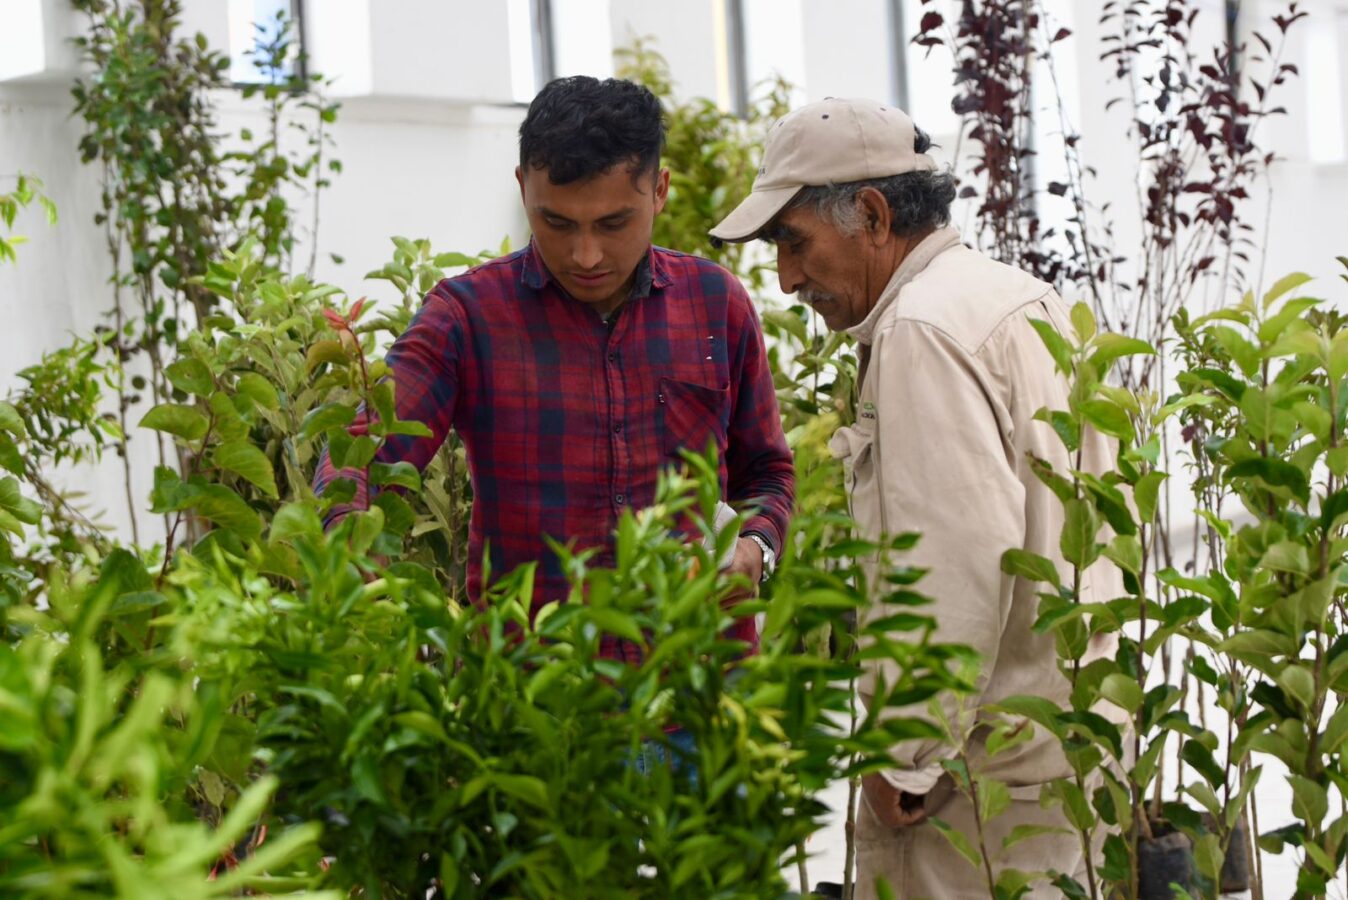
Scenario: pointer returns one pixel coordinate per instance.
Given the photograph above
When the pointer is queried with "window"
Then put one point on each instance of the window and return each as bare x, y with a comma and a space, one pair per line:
582, 38
930, 107
1325, 34
21, 40
265, 41
898, 54
554, 38
766, 39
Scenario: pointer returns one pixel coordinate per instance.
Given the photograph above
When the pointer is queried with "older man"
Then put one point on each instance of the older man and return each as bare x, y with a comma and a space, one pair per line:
952, 374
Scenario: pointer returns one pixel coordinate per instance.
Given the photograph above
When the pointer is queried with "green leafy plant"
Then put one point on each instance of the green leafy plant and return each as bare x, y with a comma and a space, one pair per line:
95, 755
173, 197
1269, 432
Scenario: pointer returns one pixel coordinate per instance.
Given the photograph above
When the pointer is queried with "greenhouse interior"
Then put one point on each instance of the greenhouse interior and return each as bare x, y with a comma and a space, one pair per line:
725, 449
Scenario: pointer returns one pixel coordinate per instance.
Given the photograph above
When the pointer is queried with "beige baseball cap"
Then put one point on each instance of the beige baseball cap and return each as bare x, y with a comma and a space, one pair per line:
834, 141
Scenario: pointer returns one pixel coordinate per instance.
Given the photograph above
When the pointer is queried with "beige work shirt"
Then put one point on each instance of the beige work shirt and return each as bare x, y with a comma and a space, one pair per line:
944, 432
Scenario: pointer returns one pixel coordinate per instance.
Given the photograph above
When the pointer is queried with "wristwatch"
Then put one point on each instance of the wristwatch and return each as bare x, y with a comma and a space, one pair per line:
769, 556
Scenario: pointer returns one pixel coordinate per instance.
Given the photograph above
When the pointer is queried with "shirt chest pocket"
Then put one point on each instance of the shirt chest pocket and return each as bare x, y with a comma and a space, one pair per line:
692, 416
854, 447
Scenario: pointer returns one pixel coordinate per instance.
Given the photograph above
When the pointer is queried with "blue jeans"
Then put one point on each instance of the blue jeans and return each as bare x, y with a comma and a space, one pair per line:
678, 748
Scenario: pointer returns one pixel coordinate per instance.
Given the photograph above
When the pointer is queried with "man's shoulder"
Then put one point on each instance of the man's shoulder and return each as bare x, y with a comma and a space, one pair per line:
492, 279
966, 295
687, 268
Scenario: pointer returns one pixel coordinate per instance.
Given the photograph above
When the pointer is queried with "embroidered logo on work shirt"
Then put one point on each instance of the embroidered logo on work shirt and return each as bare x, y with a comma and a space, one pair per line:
868, 410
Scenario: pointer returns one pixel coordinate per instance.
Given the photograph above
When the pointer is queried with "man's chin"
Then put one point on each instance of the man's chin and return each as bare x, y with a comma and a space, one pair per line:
832, 321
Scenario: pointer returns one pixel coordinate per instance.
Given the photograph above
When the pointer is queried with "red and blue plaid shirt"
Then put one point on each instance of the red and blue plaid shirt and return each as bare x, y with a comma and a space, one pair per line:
567, 418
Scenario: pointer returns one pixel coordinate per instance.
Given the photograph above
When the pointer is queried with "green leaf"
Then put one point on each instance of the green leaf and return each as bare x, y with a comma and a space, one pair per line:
322, 418
10, 458
1222, 382
959, 841
1289, 282
1337, 460
1259, 645
325, 351
13, 501
213, 787
1109, 418
356, 452
1125, 551
789, 322
1083, 322
1310, 801
259, 390
409, 427
295, 520
1025, 832
1299, 342
225, 508
1080, 526
1273, 327
191, 376
1242, 352
1274, 473
994, 798
10, 420
1146, 493
1122, 691
1030, 565
1110, 503
185, 422
1109, 347
1286, 556
248, 462
399, 474
1298, 682
1039, 710
1185, 402
1338, 355
1067, 429
1057, 345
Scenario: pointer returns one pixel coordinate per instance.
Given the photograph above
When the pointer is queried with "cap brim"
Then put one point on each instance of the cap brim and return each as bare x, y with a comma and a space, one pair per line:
756, 211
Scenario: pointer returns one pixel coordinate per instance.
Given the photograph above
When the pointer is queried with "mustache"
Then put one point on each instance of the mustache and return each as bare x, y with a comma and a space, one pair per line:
813, 297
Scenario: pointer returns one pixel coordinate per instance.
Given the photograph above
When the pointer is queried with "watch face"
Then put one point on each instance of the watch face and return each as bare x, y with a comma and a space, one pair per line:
769, 557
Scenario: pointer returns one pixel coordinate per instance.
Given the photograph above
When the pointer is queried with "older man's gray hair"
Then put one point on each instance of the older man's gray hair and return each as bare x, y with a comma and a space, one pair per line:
918, 201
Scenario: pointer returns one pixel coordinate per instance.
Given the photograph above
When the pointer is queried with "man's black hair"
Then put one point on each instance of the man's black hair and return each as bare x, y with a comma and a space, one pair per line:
579, 127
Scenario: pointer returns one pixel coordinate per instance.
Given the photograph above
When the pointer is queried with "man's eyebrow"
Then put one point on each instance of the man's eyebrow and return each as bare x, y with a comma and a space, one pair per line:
620, 214
776, 233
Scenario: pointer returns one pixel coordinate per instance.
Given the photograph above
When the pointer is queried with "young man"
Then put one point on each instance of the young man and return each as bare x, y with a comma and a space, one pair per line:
577, 368
952, 374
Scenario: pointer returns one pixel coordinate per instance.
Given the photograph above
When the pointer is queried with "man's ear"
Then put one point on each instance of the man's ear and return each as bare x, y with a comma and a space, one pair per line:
519, 177
876, 217
661, 189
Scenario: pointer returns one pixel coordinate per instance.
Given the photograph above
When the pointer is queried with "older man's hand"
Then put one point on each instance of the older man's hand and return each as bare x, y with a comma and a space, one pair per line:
891, 806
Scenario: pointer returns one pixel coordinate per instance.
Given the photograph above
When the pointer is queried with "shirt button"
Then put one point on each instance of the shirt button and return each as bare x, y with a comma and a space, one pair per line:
613, 357
620, 499
617, 427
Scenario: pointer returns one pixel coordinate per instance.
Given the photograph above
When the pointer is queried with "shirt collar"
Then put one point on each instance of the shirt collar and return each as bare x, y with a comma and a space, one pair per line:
652, 272
918, 258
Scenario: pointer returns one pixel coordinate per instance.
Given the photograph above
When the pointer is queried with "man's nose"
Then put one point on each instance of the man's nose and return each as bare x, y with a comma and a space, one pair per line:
789, 275
586, 252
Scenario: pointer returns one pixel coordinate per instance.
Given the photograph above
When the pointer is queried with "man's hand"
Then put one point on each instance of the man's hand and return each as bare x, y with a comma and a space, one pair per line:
748, 561
891, 806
